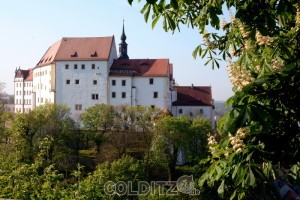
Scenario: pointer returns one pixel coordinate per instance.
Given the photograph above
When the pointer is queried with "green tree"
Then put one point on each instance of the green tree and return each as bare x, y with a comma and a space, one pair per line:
47, 121
170, 137
2, 86
261, 46
98, 119
196, 140
25, 127
97, 184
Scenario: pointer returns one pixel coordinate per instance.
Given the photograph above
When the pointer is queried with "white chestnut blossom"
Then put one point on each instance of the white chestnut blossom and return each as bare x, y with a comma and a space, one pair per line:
263, 40
237, 140
238, 75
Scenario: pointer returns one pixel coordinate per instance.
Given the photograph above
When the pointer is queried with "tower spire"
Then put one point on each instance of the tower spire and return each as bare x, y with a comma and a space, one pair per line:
123, 45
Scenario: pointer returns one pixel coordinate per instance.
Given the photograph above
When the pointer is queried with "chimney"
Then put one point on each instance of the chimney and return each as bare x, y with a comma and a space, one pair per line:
192, 86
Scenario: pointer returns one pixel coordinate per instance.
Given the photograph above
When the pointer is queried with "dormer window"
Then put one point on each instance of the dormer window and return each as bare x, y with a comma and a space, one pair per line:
74, 55
145, 64
95, 54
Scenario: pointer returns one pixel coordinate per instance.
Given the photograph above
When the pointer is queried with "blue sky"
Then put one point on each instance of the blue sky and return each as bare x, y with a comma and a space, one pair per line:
29, 27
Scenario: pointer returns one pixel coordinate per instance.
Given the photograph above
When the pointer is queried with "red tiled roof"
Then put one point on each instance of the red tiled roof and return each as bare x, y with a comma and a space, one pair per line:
141, 67
25, 74
30, 75
193, 96
69, 49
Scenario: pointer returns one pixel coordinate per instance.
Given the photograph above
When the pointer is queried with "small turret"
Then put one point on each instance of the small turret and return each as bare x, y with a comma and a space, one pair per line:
123, 46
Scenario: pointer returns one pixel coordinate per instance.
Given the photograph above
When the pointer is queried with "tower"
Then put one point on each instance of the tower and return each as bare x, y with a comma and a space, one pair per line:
123, 46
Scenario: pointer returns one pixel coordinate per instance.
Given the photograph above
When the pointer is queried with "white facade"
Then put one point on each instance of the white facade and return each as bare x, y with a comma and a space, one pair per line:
81, 84
43, 85
194, 111
23, 91
140, 91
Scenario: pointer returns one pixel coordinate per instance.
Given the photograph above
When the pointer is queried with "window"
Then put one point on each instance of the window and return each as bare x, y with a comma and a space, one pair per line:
66, 66
123, 95
180, 111
113, 82
78, 107
95, 82
155, 94
77, 81
75, 66
82, 66
113, 95
68, 81
151, 81
93, 66
123, 82
95, 96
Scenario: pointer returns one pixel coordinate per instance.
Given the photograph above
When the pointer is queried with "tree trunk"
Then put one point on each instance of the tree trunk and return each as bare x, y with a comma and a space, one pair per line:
172, 164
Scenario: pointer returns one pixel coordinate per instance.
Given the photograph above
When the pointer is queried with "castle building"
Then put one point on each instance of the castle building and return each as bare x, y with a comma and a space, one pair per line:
23, 90
82, 72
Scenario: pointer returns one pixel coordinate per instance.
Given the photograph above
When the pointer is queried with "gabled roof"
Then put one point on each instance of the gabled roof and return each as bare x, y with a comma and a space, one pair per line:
25, 74
70, 49
141, 67
193, 96
30, 75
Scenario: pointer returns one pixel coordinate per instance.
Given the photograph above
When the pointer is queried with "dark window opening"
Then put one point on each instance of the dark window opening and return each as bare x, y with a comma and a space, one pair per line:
67, 81
66, 66
180, 111
113, 95
123, 82
95, 96
123, 94
93, 66
95, 82
82, 66
76, 81
78, 107
113, 82
155, 94
151, 81
75, 66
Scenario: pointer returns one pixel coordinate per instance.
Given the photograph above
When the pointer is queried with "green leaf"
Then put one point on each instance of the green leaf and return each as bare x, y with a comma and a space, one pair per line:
197, 51
233, 195
236, 168
171, 22
147, 13
202, 179
174, 4
154, 22
152, 1
252, 177
241, 195
219, 172
221, 189
130, 2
